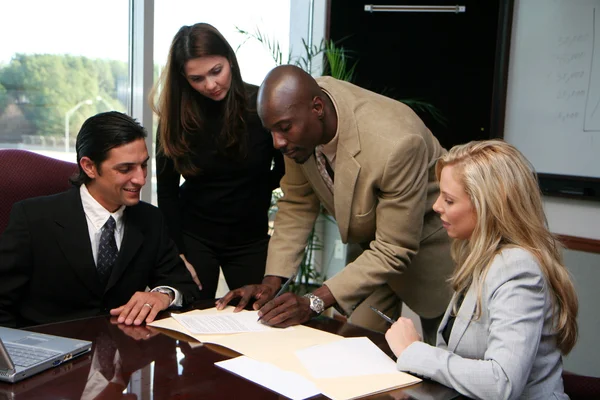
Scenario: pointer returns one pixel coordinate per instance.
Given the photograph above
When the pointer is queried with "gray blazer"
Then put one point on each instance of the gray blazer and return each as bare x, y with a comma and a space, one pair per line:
510, 351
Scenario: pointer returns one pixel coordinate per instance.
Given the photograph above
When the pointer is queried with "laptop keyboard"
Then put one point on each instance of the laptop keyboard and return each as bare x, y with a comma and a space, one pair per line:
24, 356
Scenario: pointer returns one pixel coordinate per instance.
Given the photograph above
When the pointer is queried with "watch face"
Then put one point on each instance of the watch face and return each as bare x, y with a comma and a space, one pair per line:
317, 304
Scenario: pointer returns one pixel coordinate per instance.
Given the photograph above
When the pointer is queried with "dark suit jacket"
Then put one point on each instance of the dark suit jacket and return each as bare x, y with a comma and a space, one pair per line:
47, 270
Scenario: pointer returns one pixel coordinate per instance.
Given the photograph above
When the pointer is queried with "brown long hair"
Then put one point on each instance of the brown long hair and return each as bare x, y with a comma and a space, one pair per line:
182, 110
504, 191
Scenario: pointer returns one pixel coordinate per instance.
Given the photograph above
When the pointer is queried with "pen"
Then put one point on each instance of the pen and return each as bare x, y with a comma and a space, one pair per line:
285, 286
282, 290
382, 315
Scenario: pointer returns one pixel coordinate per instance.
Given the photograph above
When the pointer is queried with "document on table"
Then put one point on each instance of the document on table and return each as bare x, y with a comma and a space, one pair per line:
286, 383
222, 323
278, 349
345, 358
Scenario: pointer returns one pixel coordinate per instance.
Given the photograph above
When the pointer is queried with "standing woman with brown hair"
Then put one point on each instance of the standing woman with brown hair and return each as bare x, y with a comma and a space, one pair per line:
209, 133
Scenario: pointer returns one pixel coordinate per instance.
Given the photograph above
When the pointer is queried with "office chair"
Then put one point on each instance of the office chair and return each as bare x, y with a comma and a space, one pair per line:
24, 174
580, 387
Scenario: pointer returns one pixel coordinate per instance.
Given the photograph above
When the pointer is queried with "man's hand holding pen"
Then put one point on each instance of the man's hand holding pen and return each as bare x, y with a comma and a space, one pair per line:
291, 309
286, 310
281, 291
276, 306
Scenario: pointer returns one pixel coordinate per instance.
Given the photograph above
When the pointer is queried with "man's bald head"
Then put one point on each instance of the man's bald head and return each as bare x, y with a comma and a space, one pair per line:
286, 86
293, 107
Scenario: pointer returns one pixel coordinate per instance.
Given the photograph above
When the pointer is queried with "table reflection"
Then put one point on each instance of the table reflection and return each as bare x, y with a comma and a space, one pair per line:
144, 363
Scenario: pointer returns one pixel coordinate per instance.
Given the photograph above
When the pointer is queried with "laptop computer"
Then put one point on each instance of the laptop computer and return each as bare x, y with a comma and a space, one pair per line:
24, 353
57, 380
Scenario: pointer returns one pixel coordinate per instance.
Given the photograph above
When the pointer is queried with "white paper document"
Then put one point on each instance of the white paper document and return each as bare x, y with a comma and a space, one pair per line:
222, 323
286, 383
346, 357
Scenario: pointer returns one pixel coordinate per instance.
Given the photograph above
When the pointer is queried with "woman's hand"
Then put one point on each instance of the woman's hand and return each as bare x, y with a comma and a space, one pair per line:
401, 335
192, 271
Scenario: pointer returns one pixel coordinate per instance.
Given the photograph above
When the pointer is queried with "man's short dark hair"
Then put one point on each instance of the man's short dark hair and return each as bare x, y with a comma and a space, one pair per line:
101, 133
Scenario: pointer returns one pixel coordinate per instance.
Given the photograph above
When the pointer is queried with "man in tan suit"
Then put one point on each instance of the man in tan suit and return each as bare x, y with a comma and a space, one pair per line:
369, 160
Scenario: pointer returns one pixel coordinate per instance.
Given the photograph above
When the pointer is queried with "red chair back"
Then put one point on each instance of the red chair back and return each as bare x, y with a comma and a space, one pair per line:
24, 174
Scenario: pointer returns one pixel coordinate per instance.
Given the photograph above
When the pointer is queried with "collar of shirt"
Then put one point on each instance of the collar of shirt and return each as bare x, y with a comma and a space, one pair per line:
97, 214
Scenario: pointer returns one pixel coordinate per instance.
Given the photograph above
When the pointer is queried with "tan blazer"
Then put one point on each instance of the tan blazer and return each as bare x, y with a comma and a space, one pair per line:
383, 192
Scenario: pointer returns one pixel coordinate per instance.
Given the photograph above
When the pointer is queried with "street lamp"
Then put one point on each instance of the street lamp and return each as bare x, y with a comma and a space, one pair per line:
67, 116
108, 106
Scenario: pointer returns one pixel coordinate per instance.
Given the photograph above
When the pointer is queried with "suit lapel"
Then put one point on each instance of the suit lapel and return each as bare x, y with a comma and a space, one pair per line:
72, 234
346, 166
463, 318
346, 175
133, 239
311, 171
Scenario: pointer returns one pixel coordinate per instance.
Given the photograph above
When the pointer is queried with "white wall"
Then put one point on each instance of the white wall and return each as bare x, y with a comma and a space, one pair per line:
300, 15
573, 217
584, 359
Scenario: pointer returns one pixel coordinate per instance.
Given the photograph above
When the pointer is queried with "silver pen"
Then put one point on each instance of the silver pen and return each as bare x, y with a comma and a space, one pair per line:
285, 286
382, 315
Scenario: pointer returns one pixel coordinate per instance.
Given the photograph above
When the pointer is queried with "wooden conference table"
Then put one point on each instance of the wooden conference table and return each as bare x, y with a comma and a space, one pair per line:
154, 365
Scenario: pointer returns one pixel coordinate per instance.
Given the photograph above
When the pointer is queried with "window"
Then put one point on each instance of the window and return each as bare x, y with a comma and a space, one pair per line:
56, 72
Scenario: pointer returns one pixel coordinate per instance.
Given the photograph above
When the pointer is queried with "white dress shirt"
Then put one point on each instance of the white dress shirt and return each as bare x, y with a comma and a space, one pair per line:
96, 216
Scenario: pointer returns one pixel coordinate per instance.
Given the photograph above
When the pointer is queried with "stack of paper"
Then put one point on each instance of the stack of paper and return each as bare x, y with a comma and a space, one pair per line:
308, 360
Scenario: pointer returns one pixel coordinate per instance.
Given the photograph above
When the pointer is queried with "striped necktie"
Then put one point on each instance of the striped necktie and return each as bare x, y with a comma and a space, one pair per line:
324, 168
107, 250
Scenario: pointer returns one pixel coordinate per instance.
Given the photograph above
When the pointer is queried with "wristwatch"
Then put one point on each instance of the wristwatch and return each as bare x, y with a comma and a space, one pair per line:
166, 291
316, 303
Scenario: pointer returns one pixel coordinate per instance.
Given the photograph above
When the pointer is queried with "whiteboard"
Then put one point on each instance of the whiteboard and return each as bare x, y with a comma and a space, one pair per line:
553, 88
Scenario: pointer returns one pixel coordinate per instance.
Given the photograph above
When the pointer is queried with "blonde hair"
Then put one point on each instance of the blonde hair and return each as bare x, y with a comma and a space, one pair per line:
504, 191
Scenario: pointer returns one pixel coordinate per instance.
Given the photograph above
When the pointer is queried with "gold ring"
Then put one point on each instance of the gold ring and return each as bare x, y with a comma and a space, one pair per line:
148, 305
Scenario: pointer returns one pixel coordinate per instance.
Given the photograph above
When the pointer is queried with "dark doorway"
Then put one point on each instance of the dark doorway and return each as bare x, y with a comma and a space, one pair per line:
445, 59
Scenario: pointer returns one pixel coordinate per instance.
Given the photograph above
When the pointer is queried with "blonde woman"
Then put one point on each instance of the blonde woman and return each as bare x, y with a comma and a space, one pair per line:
514, 309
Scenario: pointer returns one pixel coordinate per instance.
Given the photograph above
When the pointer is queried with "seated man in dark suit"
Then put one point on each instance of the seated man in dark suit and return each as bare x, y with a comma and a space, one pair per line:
93, 249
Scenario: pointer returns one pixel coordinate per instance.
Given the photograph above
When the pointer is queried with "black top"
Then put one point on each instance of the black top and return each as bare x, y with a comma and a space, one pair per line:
227, 202
451, 318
